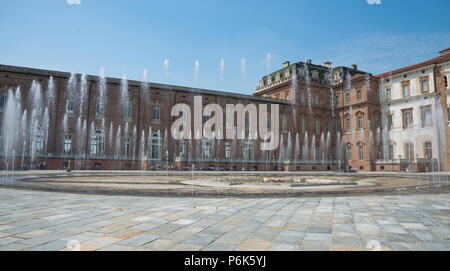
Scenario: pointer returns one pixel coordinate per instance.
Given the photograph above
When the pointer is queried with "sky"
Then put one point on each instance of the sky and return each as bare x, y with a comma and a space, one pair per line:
221, 45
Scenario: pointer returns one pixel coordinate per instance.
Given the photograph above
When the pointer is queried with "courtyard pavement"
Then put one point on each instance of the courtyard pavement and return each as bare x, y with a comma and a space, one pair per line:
34, 220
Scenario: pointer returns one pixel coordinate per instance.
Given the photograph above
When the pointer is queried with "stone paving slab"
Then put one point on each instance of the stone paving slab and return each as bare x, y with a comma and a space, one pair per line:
32, 220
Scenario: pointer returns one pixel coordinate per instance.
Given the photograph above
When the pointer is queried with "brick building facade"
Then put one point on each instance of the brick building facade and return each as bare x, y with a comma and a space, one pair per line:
330, 119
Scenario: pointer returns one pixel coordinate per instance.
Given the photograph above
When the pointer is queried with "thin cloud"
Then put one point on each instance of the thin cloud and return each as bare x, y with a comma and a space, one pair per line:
376, 2
74, 2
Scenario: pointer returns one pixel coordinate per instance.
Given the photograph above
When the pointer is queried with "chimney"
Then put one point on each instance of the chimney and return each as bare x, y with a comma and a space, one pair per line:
286, 64
354, 66
308, 62
328, 64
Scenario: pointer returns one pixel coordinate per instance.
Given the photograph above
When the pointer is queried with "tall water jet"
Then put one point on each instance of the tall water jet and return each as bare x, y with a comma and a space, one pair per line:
145, 87
142, 150
305, 147
308, 87
297, 147
83, 94
102, 86
124, 90
313, 148
51, 93
118, 143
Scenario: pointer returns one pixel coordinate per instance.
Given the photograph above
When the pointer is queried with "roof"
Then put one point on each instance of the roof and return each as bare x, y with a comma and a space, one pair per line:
117, 81
436, 60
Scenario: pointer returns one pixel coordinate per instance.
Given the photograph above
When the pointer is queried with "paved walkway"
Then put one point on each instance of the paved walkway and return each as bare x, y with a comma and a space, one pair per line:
31, 220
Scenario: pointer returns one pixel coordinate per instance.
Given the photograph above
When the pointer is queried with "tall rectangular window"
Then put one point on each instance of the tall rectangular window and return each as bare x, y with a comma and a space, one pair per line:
303, 124
39, 141
347, 97
361, 152
348, 124
360, 122
359, 95
388, 93
227, 150
67, 143
70, 106
405, 89
426, 117
330, 126
128, 110
337, 101
349, 152
183, 149
389, 121
126, 147
99, 108
3, 98
409, 151
390, 152
316, 99
98, 142
302, 97
156, 112
424, 85
428, 150
318, 126
155, 146
206, 148
407, 118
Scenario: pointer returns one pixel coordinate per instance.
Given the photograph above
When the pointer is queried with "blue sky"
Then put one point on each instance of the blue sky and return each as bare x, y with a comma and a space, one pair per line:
132, 35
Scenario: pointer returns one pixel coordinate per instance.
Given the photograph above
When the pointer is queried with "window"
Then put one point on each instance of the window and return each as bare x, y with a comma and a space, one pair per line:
330, 126
407, 118
405, 89
409, 151
98, 142
302, 97
70, 106
318, 153
156, 112
347, 97
316, 99
317, 124
155, 146
446, 81
348, 124
338, 125
389, 121
206, 148
359, 95
377, 122
227, 150
283, 123
388, 93
428, 150
337, 101
126, 147
3, 99
303, 124
127, 110
349, 152
361, 152
269, 122
390, 152
99, 108
424, 84
182, 149
248, 150
39, 141
448, 113
426, 117
286, 96
360, 122
67, 143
